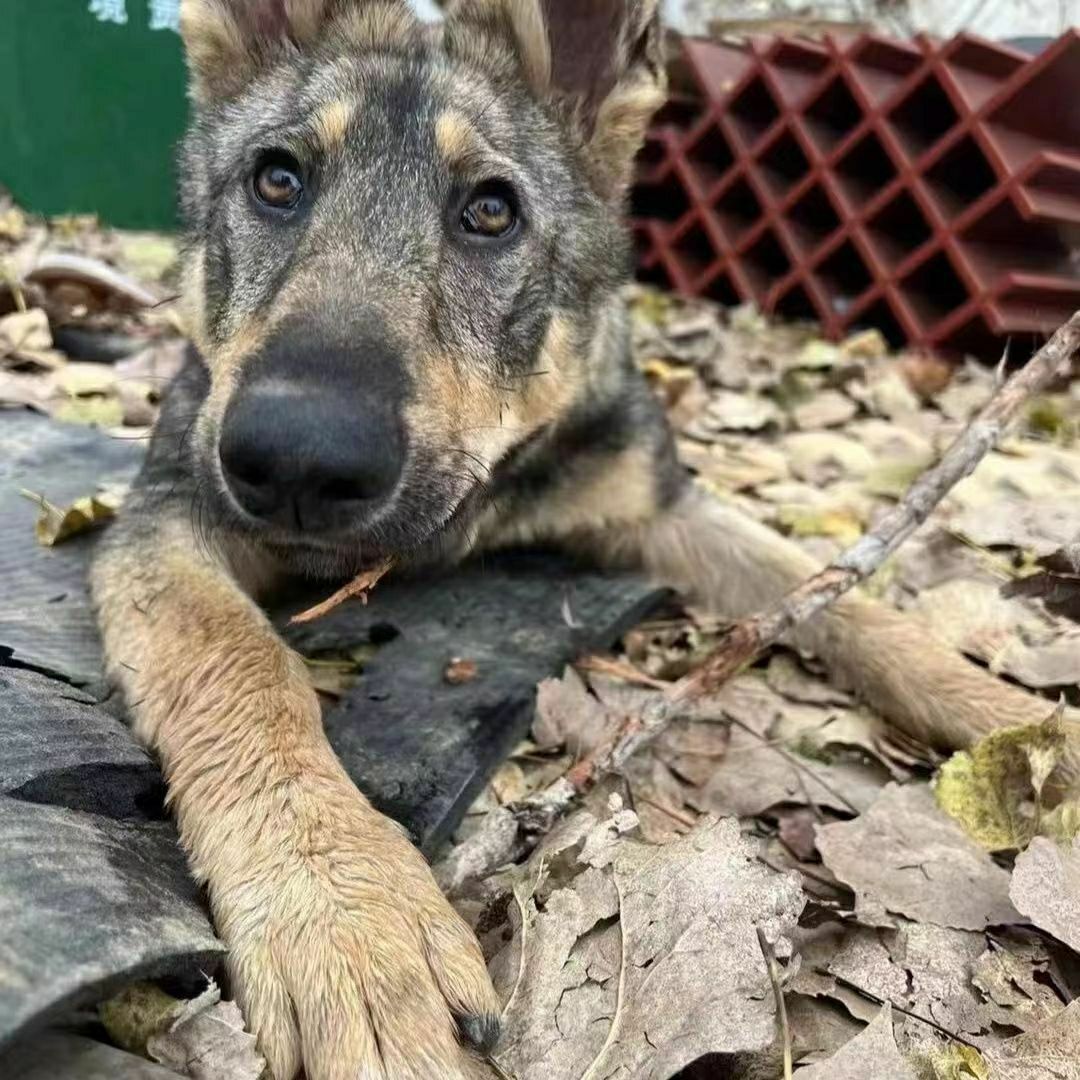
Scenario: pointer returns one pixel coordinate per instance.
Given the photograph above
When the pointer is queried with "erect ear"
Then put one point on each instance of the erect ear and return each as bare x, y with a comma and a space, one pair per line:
229, 41
601, 61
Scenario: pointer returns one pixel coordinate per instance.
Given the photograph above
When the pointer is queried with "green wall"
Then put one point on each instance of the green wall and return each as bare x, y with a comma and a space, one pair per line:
90, 110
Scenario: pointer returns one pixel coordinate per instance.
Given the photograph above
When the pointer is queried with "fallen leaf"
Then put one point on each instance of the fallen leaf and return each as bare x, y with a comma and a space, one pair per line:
1046, 888
760, 771
612, 948
1040, 526
906, 856
731, 411
818, 354
787, 676
826, 409
867, 344
206, 1040
1050, 1052
872, 1053
137, 1012
1013, 974
824, 456
56, 524
957, 1062
104, 412
994, 790
25, 338
842, 522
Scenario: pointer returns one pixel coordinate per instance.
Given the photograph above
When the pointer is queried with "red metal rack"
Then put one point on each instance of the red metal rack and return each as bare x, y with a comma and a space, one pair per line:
929, 189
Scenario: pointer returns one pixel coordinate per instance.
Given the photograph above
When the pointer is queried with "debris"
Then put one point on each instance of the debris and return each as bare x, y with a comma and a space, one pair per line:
25, 338
995, 790
1040, 526
827, 409
56, 524
618, 935
872, 1053
459, 670
904, 856
206, 1040
957, 1062
1050, 1052
357, 589
1046, 888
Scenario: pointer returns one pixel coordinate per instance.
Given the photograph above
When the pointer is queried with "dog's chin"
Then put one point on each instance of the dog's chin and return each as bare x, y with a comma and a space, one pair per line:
349, 551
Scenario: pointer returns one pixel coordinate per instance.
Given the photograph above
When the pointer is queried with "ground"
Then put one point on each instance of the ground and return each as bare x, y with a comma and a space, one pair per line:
919, 914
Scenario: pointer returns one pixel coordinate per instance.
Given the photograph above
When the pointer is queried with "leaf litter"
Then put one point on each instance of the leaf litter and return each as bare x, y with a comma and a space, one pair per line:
626, 944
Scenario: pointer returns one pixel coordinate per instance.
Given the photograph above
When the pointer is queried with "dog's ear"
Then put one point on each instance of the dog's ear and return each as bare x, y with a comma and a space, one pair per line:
601, 61
229, 41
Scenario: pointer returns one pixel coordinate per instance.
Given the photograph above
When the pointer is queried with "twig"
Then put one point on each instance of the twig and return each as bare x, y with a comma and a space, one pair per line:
523, 911
613, 1030
359, 588
870, 996
781, 1007
744, 641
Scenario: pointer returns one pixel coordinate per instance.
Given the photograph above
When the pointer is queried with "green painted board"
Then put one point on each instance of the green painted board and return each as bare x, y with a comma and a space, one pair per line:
91, 107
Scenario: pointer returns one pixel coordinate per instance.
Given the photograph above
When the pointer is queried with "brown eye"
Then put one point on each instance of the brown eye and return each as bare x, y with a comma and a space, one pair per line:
277, 182
490, 212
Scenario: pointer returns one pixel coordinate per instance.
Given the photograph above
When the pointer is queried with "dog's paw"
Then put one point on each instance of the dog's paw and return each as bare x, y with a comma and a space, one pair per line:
354, 965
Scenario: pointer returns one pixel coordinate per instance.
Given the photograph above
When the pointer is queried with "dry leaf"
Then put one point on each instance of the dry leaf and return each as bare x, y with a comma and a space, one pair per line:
1046, 888
905, 856
872, 1053
25, 338
206, 1040
994, 790
823, 456
1050, 1052
957, 1062
1040, 526
56, 524
760, 771
826, 409
644, 958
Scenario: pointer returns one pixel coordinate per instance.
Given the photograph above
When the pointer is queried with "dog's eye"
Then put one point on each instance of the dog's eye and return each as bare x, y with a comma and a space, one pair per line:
277, 182
490, 212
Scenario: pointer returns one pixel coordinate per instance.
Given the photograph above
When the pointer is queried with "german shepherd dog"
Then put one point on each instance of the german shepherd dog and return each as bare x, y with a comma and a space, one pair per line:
403, 284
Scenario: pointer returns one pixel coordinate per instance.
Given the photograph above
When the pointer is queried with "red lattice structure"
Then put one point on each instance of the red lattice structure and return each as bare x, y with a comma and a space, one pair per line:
929, 189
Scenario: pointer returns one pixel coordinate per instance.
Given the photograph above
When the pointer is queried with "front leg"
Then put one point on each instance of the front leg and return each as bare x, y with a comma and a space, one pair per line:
343, 953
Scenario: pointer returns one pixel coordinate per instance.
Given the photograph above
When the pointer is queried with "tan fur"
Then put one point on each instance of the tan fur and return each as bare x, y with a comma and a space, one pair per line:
330, 124
301, 870
602, 495
457, 140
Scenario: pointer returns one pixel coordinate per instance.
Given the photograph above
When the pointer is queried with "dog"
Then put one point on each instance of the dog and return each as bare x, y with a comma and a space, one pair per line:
403, 284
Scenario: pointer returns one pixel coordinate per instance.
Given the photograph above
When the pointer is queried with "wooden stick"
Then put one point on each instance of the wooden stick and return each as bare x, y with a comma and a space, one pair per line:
747, 639
359, 588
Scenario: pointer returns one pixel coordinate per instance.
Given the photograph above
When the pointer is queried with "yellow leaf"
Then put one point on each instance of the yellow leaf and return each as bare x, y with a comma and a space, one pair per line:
100, 411
56, 524
839, 522
994, 790
958, 1062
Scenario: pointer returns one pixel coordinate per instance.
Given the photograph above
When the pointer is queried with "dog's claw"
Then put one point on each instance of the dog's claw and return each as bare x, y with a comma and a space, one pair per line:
480, 1031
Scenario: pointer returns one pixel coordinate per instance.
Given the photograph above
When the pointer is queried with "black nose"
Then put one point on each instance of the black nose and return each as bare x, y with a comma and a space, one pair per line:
309, 459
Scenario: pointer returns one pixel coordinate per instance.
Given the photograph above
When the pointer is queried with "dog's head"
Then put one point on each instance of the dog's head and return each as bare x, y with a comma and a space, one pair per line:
403, 241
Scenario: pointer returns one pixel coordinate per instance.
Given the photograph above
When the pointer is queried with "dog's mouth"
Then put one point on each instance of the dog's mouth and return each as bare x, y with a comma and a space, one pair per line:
425, 520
